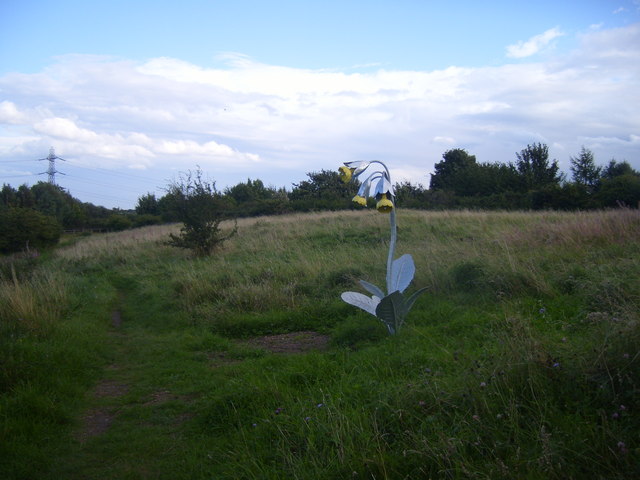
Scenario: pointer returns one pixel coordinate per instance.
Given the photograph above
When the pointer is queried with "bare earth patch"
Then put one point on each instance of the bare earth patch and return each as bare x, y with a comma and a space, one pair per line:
163, 396
110, 389
94, 422
219, 359
97, 421
295, 342
116, 319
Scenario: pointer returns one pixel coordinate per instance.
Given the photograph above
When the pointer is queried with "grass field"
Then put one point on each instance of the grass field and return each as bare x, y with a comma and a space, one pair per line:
122, 358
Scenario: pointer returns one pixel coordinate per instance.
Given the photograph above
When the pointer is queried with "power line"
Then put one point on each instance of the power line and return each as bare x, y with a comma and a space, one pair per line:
109, 197
115, 173
108, 185
18, 176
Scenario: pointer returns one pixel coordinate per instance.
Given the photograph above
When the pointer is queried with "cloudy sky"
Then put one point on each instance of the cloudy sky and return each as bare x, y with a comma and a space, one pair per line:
130, 93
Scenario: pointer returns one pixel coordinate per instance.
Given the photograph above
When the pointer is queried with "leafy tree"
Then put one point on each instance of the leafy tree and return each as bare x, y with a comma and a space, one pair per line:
409, 195
584, 170
200, 208
620, 190
8, 196
24, 197
323, 190
118, 222
253, 198
252, 190
167, 208
54, 201
534, 168
147, 205
617, 169
96, 216
447, 172
459, 173
24, 228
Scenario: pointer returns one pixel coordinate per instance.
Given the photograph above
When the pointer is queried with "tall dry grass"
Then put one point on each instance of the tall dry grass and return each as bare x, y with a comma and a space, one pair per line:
34, 303
285, 261
116, 243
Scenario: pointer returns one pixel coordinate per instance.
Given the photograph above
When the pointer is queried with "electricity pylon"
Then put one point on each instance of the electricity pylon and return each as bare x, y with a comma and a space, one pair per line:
51, 171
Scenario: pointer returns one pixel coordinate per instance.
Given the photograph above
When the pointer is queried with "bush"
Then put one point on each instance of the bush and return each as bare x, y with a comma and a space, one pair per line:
200, 207
142, 220
24, 228
622, 190
118, 223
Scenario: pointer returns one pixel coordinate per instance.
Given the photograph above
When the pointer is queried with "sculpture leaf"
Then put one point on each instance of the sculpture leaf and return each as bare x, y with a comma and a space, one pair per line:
412, 299
391, 311
402, 272
368, 304
371, 288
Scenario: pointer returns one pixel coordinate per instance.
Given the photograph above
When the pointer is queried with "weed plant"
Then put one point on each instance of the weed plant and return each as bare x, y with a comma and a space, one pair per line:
521, 361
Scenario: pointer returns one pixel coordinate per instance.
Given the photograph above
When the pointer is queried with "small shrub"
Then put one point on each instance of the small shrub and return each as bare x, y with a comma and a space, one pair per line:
199, 206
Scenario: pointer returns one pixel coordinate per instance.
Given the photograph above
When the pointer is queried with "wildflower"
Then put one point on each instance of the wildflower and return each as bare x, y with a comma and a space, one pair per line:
320, 405
622, 407
615, 415
360, 200
278, 411
483, 384
384, 205
254, 425
476, 418
306, 419
346, 173
626, 355
556, 365
422, 403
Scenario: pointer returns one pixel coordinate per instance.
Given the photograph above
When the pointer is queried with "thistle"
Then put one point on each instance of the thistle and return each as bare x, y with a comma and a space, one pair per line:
393, 307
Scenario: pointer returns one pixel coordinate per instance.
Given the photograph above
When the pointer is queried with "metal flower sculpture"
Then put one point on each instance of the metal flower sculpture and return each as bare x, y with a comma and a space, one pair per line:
393, 307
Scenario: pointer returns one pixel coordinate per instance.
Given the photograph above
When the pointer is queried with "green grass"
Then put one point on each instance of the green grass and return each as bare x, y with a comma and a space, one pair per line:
522, 359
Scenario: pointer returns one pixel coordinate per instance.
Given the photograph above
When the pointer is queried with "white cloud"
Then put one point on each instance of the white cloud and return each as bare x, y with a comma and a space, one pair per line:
534, 44
9, 114
444, 140
247, 119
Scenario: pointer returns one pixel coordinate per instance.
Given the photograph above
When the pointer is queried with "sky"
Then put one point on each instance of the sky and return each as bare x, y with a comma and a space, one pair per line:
132, 93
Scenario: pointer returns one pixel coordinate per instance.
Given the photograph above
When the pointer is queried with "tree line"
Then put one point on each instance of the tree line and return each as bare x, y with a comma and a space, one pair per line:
36, 216
532, 182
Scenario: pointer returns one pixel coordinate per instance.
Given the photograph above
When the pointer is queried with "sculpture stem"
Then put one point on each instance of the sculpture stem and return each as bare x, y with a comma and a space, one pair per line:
392, 248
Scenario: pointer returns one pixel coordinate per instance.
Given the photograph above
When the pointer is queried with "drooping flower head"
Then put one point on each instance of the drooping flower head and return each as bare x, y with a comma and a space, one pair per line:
384, 205
360, 200
380, 181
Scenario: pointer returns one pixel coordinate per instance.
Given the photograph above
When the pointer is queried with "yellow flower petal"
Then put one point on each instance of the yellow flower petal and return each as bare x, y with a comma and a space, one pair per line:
346, 173
360, 200
384, 205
